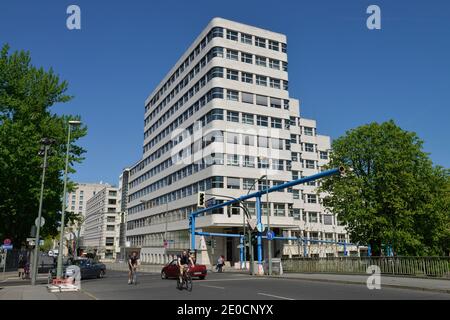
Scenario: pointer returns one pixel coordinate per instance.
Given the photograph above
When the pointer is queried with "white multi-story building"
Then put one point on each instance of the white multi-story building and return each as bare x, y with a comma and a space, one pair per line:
102, 225
218, 121
76, 203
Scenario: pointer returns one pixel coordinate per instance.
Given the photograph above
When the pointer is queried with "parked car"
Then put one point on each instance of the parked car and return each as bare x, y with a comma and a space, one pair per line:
171, 270
88, 268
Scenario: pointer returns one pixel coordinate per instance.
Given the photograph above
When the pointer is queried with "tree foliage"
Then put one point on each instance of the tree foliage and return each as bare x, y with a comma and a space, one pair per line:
392, 195
27, 94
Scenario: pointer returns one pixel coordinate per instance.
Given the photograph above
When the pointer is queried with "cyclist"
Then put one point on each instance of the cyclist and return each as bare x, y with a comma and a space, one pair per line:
183, 262
133, 262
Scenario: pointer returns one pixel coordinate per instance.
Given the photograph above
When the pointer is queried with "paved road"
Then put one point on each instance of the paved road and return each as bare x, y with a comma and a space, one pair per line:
228, 286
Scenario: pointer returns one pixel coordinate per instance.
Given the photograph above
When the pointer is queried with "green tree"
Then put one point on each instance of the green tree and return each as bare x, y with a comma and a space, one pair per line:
27, 94
392, 193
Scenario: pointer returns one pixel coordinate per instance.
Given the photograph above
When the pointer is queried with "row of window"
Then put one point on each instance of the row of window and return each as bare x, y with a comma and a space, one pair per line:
179, 71
252, 40
219, 52
231, 94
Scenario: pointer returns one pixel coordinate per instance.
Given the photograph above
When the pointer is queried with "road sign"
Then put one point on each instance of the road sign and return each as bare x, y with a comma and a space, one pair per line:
36, 222
7, 242
270, 235
252, 223
7, 247
51, 253
210, 202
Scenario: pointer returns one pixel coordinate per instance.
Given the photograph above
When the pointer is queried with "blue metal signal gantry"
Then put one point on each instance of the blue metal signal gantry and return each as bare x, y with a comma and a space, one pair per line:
257, 195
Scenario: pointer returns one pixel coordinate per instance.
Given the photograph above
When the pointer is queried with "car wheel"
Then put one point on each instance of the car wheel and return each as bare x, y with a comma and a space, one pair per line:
163, 275
202, 278
101, 274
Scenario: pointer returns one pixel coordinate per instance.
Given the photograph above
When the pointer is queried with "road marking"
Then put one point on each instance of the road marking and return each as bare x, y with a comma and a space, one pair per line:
89, 294
220, 280
204, 285
273, 296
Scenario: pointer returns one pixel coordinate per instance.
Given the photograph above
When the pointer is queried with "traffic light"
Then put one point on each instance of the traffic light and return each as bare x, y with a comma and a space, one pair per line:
208, 243
201, 200
213, 243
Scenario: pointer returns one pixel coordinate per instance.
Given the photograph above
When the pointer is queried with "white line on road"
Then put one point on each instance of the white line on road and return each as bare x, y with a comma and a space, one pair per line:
271, 295
204, 285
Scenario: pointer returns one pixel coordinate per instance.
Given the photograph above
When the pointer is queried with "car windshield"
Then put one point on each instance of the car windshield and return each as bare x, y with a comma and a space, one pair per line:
80, 263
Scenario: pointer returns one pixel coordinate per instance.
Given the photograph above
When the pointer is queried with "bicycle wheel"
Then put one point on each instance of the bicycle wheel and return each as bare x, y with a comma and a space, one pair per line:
188, 283
134, 278
179, 284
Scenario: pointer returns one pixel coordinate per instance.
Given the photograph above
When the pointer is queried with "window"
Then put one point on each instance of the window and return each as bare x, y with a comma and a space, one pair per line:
217, 182
247, 97
278, 209
276, 123
246, 57
216, 32
247, 118
233, 183
293, 138
232, 74
247, 77
260, 42
284, 47
112, 193
233, 160
111, 219
217, 93
109, 241
232, 116
277, 164
233, 96
260, 61
216, 72
112, 201
285, 66
249, 161
232, 35
216, 114
274, 45
294, 156
262, 121
327, 219
277, 143
261, 100
296, 194
341, 237
274, 64
275, 83
248, 183
309, 147
248, 140
310, 164
261, 80
232, 55
216, 158
275, 103
311, 198
323, 155
263, 142
109, 228
285, 85
292, 121
263, 163
308, 131
216, 52
232, 138
246, 38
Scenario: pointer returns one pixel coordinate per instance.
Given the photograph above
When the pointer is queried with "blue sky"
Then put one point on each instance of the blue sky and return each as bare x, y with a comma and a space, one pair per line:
344, 74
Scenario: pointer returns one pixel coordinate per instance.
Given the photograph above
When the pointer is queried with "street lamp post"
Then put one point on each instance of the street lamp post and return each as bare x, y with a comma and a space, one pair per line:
61, 243
46, 146
269, 242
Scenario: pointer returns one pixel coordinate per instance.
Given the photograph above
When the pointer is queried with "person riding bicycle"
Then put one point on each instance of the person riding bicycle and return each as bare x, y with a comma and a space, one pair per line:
133, 262
183, 262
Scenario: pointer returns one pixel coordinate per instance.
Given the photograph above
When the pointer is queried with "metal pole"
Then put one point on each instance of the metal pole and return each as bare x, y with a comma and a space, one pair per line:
244, 261
38, 227
259, 239
269, 242
250, 247
61, 243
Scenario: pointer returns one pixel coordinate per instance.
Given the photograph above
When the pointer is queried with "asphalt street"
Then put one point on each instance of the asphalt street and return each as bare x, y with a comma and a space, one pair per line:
233, 286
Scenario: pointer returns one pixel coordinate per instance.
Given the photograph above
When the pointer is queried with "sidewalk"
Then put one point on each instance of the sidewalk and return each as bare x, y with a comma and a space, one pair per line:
436, 285
39, 292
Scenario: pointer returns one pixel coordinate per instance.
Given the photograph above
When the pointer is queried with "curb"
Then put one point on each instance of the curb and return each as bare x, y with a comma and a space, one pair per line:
363, 284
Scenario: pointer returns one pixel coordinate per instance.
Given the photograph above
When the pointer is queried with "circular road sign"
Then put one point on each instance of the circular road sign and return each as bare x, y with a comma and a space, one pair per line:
270, 235
36, 222
7, 242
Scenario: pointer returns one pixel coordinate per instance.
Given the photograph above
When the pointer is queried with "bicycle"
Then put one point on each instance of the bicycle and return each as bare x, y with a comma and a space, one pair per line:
186, 280
134, 276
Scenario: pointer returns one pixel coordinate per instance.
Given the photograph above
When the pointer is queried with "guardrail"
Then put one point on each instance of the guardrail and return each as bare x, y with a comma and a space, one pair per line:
436, 267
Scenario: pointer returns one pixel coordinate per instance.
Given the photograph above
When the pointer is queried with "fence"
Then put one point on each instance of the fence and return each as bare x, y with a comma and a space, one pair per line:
437, 267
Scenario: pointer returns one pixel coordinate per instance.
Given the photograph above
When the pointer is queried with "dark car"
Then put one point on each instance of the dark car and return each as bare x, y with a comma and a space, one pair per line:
88, 268
171, 270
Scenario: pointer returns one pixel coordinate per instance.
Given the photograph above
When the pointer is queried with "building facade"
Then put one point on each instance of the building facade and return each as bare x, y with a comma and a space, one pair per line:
122, 204
220, 120
102, 225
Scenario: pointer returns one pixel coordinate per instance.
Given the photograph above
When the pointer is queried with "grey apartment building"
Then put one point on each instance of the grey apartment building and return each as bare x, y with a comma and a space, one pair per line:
220, 120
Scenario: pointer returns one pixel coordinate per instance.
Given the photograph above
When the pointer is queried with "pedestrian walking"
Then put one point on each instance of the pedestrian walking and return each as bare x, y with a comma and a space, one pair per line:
22, 263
